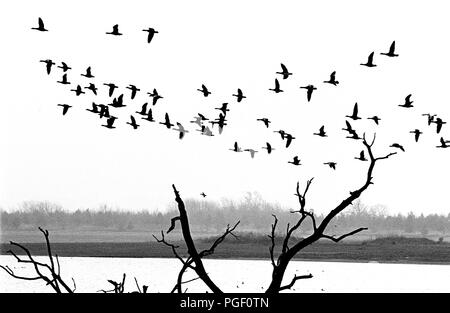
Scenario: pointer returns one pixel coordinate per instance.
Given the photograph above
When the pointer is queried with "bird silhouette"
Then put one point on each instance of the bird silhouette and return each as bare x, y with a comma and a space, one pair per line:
205, 131
375, 118
65, 108
236, 147
155, 95
309, 91
92, 88
416, 133
354, 115
439, 122
151, 32
78, 91
133, 89
223, 108
265, 120
110, 122
348, 127
444, 143
64, 80
111, 88
398, 146
408, 102
391, 52
369, 62
117, 102
94, 108
88, 73
104, 111
202, 117
321, 132
41, 26
115, 31
295, 161
48, 65
252, 152
430, 117
182, 131
332, 79
133, 122
353, 135
143, 110
269, 148
221, 121
64, 67
289, 139
204, 91
331, 165
166, 121
149, 116
281, 132
277, 87
361, 156
203, 194
197, 120
285, 73
239, 95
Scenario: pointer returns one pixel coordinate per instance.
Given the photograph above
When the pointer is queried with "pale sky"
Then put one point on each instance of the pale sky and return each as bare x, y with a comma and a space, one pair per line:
73, 161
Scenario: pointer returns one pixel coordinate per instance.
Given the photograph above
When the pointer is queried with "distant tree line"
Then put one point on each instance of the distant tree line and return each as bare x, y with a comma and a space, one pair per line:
206, 216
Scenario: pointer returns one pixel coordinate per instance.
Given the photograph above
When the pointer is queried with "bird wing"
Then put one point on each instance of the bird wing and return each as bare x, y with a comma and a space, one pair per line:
370, 59
41, 23
284, 68
355, 110
277, 84
392, 48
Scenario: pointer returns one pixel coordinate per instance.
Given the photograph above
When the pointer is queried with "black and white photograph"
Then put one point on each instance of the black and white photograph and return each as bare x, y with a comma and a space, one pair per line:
225, 147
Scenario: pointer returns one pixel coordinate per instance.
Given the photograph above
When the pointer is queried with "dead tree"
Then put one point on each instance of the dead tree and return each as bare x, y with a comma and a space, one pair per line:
194, 260
50, 274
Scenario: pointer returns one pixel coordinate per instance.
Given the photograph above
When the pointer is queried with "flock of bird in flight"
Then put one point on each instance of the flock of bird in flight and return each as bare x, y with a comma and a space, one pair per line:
201, 121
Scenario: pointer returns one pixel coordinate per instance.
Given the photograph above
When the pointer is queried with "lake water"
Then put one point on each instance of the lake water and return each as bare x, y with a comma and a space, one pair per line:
160, 274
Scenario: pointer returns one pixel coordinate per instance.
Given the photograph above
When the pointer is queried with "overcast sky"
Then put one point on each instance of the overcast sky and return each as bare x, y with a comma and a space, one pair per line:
73, 161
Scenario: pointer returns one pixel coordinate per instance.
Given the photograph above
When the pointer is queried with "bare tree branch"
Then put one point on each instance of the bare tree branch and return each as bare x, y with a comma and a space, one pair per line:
344, 236
272, 239
292, 283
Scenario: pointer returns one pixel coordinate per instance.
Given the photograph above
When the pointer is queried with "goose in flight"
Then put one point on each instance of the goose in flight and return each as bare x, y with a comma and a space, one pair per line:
88, 73
41, 26
111, 88
361, 156
202, 117
332, 79
348, 127
416, 133
64, 67
181, 130
331, 165
223, 108
391, 52
143, 109
269, 148
444, 143
155, 95
281, 132
265, 121
309, 91
369, 62
408, 102
277, 88
353, 135
203, 194
239, 95
375, 118
115, 31
133, 89
94, 108
197, 120
92, 88
151, 32
48, 65
354, 115
64, 80
295, 161
204, 91
252, 152
398, 146
110, 122
78, 91
65, 108
430, 117
149, 116
166, 121
236, 147
133, 122
439, 122
289, 139
285, 73
321, 132
104, 111
205, 131
117, 102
